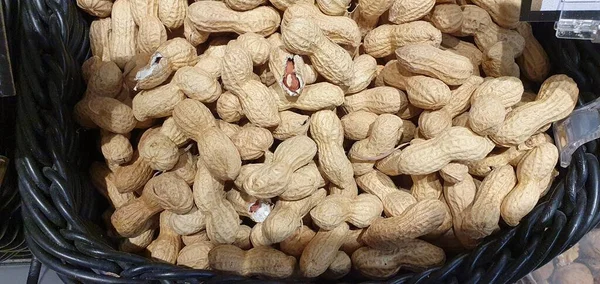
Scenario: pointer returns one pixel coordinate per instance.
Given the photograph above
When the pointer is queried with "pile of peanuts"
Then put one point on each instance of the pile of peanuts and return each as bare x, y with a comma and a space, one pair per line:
297, 139
578, 265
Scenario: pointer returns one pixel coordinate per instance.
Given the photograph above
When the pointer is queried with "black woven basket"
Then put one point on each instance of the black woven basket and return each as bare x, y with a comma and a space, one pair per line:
60, 208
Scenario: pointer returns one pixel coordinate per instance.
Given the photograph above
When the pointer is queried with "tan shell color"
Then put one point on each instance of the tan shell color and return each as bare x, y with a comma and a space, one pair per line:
419, 219
339, 29
327, 131
534, 62
385, 39
263, 261
377, 100
321, 251
336, 209
215, 16
535, 166
428, 60
301, 36
403, 11
447, 18
556, 99
357, 124
413, 253
456, 143
480, 219
195, 255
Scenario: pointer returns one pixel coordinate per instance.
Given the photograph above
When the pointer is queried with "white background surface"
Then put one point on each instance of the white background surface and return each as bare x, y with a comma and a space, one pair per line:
17, 274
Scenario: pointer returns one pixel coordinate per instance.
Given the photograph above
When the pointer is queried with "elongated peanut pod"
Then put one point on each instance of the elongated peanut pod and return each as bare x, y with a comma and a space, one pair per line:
107, 113
105, 80
151, 35
403, 11
259, 261
169, 57
295, 244
314, 97
426, 187
196, 121
419, 219
292, 124
204, 15
304, 37
255, 98
365, 68
556, 99
141, 8
427, 93
193, 35
394, 200
167, 245
270, 180
159, 151
122, 35
197, 84
428, 156
413, 253
222, 221
385, 39
385, 134
357, 124
171, 130
286, 217
368, 13
333, 7
304, 182
327, 131
378, 100
463, 48
335, 209
429, 60
99, 39
480, 219
103, 180
156, 103
163, 192
252, 142
534, 62
447, 18
132, 176
322, 250
531, 175
505, 13
339, 29
138, 243
188, 224
341, 265
195, 255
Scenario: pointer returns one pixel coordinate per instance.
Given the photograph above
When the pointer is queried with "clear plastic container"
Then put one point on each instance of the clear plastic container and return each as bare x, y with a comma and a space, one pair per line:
580, 127
579, 19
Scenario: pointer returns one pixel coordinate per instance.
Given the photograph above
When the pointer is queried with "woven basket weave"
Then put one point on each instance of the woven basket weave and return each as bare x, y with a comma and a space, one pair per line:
60, 208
